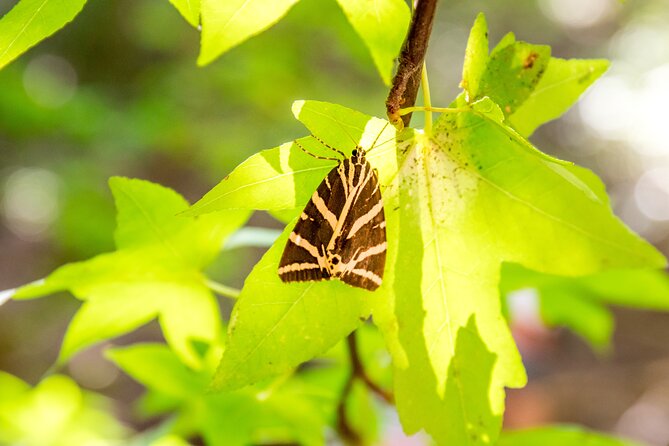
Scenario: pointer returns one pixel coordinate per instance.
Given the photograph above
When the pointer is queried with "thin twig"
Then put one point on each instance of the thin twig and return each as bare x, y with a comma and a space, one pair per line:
357, 372
407, 79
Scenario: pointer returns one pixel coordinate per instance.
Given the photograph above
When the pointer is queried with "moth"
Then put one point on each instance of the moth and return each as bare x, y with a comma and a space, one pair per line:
341, 233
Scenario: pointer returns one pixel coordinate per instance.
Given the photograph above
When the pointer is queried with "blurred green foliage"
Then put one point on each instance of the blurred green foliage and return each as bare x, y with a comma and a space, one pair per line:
117, 93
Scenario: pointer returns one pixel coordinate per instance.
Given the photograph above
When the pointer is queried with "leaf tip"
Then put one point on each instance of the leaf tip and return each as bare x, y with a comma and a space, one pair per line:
297, 107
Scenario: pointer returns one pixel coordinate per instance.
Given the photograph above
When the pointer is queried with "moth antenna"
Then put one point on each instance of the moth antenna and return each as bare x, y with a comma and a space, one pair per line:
314, 155
379, 135
328, 145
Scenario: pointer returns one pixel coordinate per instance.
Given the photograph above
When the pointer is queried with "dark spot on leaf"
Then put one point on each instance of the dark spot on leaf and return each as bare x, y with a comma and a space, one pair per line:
530, 59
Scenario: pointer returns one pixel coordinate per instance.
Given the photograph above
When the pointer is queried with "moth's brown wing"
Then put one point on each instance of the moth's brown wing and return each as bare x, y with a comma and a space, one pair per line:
303, 257
363, 239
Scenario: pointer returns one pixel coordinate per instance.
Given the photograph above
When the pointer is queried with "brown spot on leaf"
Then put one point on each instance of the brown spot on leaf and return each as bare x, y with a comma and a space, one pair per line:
530, 59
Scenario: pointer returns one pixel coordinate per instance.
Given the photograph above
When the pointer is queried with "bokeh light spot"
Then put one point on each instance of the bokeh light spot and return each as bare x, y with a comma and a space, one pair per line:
30, 202
50, 81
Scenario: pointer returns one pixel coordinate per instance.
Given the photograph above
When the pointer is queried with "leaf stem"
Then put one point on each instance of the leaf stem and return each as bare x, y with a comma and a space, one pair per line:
222, 290
427, 101
408, 110
407, 79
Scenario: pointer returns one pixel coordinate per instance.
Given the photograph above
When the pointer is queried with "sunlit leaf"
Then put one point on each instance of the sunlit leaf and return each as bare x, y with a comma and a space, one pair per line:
155, 273
560, 86
382, 25
476, 57
189, 9
228, 23
283, 412
159, 369
458, 204
55, 412
275, 327
581, 303
481, 198
31, 21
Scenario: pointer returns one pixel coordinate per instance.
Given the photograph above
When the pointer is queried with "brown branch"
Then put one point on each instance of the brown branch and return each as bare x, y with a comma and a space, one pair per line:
407, 79
357, 372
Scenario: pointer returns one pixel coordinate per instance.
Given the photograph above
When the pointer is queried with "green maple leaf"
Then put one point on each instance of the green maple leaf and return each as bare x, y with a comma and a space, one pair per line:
64, 413
155, 273
582, 303
560, 435
31, 21
292, 410
459, 202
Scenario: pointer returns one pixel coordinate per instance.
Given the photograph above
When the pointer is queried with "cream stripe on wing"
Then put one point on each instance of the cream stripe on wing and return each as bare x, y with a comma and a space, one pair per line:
366, 218
323, 209
302, 243
297, 267
367, 275
342, 177
378, 249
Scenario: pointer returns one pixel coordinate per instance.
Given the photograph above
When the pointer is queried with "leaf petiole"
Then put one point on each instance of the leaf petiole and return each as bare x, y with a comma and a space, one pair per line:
427, 101
222, 290
406, 111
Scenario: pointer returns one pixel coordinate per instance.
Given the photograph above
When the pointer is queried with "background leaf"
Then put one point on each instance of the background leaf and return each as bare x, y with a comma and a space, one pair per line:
560, 86
582, 303
64, 413
292, 410
31, 21
189, 9
226, 24
476, 57
154, 273
382, 25
560, 436
512, 74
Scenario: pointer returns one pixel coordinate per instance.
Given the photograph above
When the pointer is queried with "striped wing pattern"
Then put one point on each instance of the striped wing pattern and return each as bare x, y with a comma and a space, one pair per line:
341, 232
